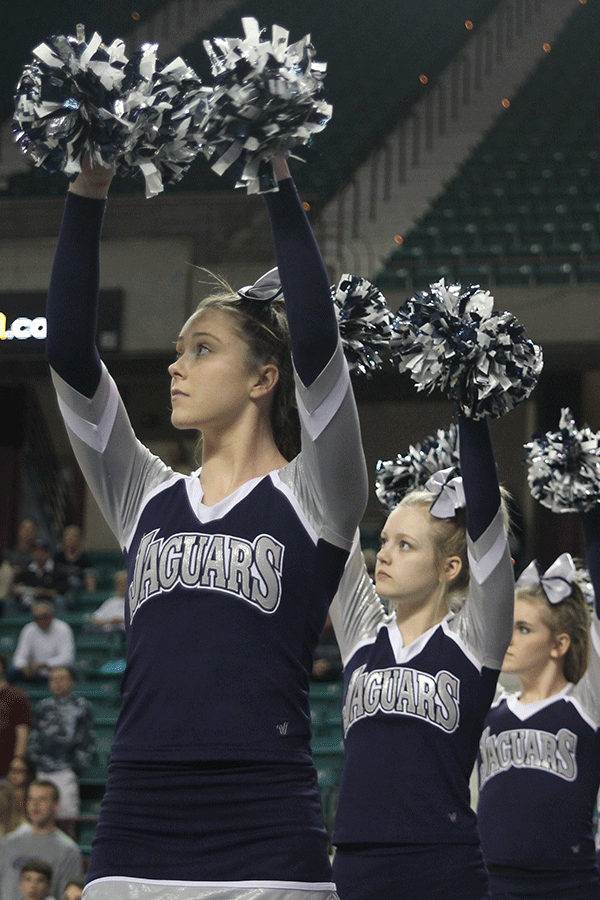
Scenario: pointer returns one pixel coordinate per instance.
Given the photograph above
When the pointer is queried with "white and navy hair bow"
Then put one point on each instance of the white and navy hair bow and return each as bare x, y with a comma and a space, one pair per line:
265, 289
447, 484
556, 581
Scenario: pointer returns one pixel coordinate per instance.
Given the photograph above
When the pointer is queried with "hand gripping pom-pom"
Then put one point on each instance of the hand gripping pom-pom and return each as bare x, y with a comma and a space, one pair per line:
267, 99
66, 104
364, 321
412, 471
452, 340
564, 467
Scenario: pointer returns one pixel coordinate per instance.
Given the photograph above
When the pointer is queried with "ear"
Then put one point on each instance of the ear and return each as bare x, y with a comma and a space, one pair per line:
266, 377
562, 642
452, 568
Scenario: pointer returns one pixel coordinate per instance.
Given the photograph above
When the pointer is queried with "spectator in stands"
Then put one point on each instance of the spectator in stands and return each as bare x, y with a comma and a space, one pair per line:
45, 642
41, 579
15, 720
35, 880
20, 555
110, 616
327, 665
11, 817
62, 740
7, 577
42, 840
74, 889
73, 561
21, 773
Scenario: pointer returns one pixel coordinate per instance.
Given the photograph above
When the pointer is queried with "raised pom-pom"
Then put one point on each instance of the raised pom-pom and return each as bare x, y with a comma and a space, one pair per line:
564, 467
451, 339
136, 115
164, 105
412, 471
267, 99
364, 320
66, 104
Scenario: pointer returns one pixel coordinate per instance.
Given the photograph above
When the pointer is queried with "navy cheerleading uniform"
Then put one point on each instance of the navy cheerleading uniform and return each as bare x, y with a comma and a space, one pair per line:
412, 715
212, 793
539, 774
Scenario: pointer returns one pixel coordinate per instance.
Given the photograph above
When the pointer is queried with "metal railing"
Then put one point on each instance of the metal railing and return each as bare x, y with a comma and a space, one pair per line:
446, 101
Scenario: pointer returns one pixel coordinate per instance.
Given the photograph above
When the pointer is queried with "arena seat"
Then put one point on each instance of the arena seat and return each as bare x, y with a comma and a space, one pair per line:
529, 194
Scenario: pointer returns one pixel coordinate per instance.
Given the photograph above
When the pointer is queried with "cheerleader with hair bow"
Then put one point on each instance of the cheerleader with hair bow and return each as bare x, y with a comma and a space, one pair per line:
539, 757
419, 679
212, 793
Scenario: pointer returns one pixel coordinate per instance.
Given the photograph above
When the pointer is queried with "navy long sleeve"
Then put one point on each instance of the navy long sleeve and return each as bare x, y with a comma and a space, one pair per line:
309, 308
72, 305
591, 529
479, 473
73, 294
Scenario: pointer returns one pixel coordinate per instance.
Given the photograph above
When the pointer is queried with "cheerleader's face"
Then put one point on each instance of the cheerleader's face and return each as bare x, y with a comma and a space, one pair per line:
533, 645
212, 384
407, 569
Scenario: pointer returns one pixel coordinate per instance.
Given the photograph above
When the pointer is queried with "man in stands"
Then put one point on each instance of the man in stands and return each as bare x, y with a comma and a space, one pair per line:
40, 839
43, 643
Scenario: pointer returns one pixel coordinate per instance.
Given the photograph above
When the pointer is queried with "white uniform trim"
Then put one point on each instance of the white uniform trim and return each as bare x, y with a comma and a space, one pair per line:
293, 500
95, 436
482, 569
316, 421
524, 711
148, 497
445, 625
122, 888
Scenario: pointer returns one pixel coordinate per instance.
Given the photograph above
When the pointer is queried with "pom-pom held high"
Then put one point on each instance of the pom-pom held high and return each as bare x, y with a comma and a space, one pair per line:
267, 100
78, 98
564, 467
453, 340
81, 98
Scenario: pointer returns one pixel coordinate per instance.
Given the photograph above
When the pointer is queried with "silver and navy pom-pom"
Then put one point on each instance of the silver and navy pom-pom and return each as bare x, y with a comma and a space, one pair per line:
267, 99
364, 321
564, 467
164, 105
451, 339
137, 114
411, 471
66, 104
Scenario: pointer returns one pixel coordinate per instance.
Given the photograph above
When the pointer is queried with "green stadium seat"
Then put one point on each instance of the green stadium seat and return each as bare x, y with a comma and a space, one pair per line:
589, 271
8, 642
522, 273
556, 273
95, 775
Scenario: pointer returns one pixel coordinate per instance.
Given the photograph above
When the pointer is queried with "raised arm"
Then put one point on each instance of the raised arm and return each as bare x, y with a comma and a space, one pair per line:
591, 530
479, 473
72, 305
587, 690
333, 463
306, 289
486, 620
115, 465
